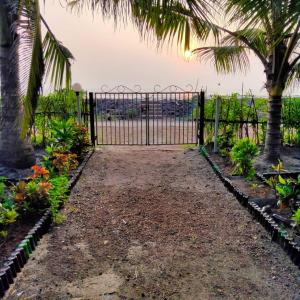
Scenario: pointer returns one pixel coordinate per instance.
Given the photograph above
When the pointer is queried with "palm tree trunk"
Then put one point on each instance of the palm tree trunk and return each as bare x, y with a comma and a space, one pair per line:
14, 151
273, 137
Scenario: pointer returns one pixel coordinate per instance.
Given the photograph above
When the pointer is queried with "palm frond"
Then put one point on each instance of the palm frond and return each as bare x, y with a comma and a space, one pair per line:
294, 77
36, 56
174, 20
249, 13
249, 37
57, 60
164, 20
31, 57
276, 16
226, 59
119, 9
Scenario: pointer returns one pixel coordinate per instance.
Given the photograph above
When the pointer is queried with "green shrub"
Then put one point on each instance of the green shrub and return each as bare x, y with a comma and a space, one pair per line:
242, 155
80, 139
8, 213
67, 135
7, 216
226, 142
32, 197
2, 189
58, 194
62, 134
296, 219
286, 189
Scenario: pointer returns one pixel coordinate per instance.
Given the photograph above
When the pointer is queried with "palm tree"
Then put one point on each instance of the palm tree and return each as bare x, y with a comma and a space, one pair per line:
268, 28
24, 58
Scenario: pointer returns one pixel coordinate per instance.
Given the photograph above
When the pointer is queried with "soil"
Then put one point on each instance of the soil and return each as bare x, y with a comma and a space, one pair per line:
253, 188
289, 155
155, 223
16, 233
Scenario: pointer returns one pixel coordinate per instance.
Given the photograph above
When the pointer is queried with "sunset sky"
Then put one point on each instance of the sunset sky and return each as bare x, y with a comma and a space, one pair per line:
105, 56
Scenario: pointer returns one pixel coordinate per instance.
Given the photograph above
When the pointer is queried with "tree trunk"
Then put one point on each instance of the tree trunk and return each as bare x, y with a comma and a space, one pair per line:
273, 137
14, 151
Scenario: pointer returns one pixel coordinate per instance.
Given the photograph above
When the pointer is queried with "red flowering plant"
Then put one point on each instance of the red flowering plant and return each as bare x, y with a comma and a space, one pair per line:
80, 139
64, 162
39, 172
32, 196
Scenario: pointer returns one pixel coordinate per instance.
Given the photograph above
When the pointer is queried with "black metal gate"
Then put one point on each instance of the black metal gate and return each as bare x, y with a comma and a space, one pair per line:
122, 117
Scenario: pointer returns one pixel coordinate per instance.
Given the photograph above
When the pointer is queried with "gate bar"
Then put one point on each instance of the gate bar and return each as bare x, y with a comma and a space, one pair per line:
201, 104
92, 119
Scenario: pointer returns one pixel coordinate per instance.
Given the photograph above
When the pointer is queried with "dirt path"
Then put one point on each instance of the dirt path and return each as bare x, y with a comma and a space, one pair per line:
155, 224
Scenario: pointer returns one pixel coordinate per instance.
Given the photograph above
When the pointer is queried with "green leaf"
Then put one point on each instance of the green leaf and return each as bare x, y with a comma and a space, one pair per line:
281, 180
225, 58
58, 61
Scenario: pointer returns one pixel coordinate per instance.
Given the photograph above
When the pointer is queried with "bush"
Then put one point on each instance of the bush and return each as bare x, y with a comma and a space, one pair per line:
32, 196
67, 135
58, 194
286, 189
8, 213
226, 142
7, 216
62, 134
296, 219
80, 138
242, 155
40, 193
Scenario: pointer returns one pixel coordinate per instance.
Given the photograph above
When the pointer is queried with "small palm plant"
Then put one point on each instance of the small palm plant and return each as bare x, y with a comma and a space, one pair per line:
242, 155
286, 189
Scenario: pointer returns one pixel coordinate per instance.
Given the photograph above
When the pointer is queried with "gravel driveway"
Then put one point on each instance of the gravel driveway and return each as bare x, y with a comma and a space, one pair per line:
155, 223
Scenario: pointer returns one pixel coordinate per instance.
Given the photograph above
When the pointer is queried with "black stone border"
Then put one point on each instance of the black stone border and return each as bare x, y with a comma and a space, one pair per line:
19, 257
277, 234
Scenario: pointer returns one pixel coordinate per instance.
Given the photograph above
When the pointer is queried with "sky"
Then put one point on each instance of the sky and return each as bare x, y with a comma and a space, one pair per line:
108, 56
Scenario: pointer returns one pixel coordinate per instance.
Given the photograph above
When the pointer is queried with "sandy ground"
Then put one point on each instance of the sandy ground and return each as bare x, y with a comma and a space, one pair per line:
155, 223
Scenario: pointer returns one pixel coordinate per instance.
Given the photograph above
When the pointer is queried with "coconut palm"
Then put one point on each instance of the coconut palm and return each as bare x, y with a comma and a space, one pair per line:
268, 28
24, 59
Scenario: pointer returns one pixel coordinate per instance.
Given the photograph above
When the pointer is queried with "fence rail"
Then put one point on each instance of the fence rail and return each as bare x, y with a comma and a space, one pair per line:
245, 116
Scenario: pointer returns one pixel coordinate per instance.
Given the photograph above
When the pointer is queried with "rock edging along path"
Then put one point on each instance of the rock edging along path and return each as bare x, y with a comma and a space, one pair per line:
155, 223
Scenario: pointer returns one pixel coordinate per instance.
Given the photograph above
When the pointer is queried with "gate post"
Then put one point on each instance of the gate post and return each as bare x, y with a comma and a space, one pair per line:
92, 119
147, 121
216, 133
201, 103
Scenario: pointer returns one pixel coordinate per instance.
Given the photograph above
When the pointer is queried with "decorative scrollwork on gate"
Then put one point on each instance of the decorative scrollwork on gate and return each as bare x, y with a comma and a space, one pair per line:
176, 89
121, 89
156, 89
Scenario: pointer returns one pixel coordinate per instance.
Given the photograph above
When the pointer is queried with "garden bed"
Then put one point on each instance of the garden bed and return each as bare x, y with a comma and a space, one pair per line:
19, 229
261, 201
31, 199
254, 188
23, 235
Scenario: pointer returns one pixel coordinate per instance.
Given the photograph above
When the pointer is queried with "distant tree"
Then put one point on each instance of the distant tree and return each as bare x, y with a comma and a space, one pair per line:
24, 58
